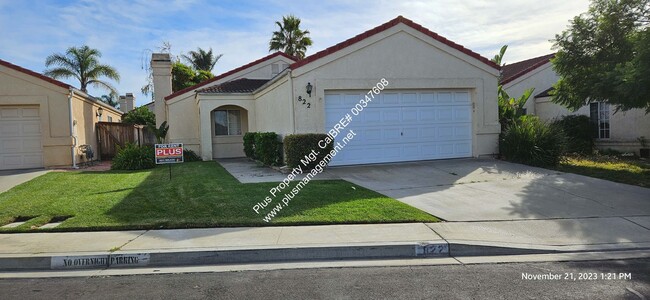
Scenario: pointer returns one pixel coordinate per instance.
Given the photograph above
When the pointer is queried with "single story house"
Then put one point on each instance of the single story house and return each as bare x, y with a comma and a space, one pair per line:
619, 131
440, 100
44, 121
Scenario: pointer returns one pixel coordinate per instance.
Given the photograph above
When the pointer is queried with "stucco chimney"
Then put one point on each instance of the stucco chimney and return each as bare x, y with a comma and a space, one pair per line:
130, 100
123, 104
127, 102
161, 66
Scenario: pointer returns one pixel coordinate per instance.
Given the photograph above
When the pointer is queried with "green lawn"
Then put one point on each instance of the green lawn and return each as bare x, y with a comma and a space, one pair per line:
200, 194
623, 170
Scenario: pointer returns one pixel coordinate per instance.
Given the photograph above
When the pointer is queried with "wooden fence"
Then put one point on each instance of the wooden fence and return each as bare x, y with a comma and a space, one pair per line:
110, 135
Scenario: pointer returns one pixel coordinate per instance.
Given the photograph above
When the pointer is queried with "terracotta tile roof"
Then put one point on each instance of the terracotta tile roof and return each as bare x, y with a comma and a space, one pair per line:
518, 69
242, 85
233, 71
34, 74
383, 27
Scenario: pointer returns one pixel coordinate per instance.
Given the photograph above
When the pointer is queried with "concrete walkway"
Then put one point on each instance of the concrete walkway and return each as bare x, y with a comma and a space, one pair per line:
12, 178
44, 251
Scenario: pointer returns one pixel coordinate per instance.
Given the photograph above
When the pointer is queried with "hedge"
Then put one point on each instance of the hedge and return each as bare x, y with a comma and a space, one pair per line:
133, 157
579, 131
533, 142
267, 148
297, 146
249, 144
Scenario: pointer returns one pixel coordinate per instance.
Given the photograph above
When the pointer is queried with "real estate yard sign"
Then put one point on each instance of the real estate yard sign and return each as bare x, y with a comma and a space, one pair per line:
169, 153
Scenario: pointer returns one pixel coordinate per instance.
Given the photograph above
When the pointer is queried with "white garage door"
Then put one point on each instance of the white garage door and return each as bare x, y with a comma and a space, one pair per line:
403, 126
20, 138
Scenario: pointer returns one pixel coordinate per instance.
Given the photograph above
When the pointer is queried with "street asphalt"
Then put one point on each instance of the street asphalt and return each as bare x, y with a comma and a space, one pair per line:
619, 279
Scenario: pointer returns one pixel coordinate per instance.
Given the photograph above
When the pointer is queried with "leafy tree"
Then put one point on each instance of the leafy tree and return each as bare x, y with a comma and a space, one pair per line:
498, 59
183, 76
290, 39
140, 115
160, 132
110, 99
511, 109
604, 55
83, 64
202, 60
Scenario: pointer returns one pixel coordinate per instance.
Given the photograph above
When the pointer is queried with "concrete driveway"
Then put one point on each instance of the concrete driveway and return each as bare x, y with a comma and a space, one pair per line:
11, 178
491, 190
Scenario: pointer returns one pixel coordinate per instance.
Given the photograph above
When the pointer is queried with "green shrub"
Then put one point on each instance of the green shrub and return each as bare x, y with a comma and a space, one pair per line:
133, 157
532, 142
189, 155
267, 148
249, 144
578, 130
297, 146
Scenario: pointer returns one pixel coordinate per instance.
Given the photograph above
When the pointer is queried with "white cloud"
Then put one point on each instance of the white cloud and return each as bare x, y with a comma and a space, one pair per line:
124, 29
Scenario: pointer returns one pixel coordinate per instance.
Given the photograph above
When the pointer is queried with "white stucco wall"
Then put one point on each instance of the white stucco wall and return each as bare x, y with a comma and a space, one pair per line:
408, 59
19, 89
182, 110
541, 79
625, 127
183, 122
274, 107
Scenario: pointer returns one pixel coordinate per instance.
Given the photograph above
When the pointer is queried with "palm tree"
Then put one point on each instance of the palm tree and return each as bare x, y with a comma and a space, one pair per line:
290, 39
201, 59
82, 63
110, 99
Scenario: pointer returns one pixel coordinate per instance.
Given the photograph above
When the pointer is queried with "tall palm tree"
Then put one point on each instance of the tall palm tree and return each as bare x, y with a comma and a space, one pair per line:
201, 59
110, 99
82, 63
290, 39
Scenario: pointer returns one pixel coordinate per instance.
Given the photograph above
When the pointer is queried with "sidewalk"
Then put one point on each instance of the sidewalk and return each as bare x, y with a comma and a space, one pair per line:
185, 247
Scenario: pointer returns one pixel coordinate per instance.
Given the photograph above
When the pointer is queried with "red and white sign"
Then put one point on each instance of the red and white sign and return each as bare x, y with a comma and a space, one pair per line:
169, 153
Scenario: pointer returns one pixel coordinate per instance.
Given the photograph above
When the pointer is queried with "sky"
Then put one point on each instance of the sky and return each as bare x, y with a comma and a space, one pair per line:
128, 31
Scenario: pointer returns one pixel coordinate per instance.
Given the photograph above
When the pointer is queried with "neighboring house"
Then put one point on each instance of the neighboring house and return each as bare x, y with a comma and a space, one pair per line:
150, 106
440, 101
36, 129
619, 131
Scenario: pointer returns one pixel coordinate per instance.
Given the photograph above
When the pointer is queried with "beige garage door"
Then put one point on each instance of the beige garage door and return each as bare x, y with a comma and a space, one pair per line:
20, 138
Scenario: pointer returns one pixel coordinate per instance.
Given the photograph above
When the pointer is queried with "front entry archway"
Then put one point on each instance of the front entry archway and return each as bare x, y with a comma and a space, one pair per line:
229, 124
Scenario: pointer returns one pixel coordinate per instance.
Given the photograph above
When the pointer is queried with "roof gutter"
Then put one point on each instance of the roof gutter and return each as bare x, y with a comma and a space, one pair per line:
72, 133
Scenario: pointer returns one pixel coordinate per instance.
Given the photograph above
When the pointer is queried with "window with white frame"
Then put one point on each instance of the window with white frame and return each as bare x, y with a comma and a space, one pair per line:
110, 119
599, 115
227, 122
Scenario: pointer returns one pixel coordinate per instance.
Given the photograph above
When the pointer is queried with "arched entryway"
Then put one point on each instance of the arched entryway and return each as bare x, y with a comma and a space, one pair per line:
229, 124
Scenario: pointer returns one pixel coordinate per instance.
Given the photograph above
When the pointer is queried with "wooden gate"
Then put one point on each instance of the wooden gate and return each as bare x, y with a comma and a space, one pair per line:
111, 135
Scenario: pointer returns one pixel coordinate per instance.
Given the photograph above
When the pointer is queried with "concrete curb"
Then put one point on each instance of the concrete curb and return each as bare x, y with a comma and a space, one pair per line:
207, 256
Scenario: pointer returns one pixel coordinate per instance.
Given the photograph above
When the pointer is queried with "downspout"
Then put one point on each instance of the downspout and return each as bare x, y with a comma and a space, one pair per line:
72, 133
293, 110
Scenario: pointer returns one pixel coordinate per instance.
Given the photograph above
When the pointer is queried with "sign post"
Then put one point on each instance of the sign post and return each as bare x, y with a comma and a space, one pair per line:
169, 154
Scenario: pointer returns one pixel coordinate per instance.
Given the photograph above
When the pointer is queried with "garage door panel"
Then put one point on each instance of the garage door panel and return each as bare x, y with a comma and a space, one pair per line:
410, 114
409, 98
390, 115
404, 126
20, 137
389, 99
444, 98
445, 114
461, 97
31, 128
427, 99
351, 100
9, 129
9, 113
462, 114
